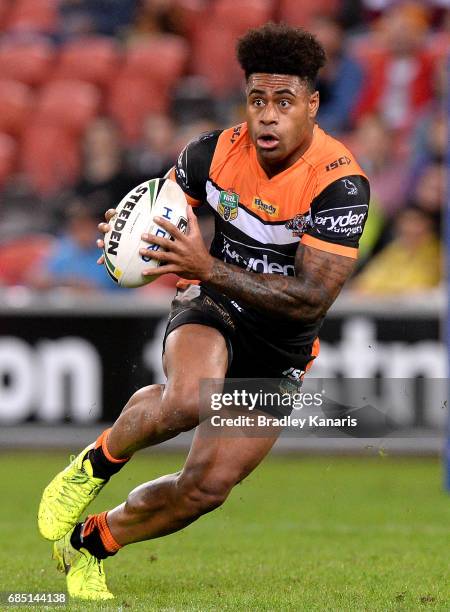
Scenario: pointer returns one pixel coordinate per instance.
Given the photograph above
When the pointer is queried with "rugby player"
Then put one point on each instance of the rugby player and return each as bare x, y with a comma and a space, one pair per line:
290, 204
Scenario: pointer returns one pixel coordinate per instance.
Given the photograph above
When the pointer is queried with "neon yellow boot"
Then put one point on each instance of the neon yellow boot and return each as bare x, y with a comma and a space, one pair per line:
67, 496
84, 572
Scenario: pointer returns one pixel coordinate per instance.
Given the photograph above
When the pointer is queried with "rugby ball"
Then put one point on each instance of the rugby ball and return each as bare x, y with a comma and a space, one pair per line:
134, 217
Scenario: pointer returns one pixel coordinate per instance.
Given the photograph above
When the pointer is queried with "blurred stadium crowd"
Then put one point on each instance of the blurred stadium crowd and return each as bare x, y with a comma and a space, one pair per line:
96, 97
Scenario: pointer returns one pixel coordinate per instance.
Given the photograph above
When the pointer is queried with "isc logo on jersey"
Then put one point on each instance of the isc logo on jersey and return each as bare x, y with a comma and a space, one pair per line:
343, 221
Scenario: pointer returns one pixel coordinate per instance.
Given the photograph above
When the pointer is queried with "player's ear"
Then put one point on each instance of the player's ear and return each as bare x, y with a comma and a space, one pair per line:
313, 104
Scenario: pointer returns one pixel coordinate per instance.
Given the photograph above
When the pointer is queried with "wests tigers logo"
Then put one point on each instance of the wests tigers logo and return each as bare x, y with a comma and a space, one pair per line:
299, 224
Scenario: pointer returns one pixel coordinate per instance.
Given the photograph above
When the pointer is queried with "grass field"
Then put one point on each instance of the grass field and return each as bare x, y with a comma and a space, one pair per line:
338, 534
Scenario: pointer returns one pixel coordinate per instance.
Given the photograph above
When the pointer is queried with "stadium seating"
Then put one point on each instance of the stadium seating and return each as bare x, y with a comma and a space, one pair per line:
68, 104
8, 154
215, 65
50, 152
192, 15
50, 157
161, 59
251, 13
5, 6
143, 85
20, 256
29, 61
33, 15
94, 59
131, 99
218, 35
301, 13
15, 103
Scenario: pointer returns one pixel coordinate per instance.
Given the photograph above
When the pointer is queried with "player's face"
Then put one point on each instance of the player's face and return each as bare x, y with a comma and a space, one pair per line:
281, 113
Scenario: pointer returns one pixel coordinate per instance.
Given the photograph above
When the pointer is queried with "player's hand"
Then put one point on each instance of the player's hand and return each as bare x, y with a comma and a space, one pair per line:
104, 229
185, 255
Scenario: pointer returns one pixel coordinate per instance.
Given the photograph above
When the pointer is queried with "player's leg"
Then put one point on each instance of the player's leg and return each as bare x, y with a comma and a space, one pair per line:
160, 412
214, 466
153, 414
154, 509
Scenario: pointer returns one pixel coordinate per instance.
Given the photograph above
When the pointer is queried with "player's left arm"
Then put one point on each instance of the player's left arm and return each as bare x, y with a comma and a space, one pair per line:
305, 297
319, 277
324, 259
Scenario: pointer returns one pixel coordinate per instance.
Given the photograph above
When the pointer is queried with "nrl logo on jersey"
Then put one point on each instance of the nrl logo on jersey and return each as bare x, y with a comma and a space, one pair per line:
299, 224
270, 209
228, 206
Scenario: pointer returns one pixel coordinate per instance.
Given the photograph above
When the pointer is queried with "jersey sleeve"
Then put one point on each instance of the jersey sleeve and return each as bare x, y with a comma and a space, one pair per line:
338, 215
191, 170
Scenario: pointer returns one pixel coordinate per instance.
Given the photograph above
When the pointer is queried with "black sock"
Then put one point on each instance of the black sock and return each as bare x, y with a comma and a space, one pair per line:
92, 542
102, 467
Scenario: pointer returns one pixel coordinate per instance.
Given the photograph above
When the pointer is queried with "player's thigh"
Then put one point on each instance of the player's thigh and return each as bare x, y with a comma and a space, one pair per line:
217, 462
193, 353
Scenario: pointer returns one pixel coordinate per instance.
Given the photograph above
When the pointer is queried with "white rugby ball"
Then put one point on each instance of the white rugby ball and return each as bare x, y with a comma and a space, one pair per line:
135, 213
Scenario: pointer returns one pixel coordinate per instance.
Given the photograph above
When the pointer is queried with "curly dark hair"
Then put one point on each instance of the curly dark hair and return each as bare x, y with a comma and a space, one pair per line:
278, 48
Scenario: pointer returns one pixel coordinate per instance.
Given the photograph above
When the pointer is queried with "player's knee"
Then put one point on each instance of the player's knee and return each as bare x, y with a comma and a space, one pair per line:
142, 410
205, 493
141, 500
144, 398
180, 408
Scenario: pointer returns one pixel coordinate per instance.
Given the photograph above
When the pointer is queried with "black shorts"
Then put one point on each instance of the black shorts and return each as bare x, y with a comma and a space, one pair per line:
250, 355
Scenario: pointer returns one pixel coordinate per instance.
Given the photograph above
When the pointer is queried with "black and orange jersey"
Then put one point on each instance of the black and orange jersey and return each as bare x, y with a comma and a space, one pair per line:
321, 200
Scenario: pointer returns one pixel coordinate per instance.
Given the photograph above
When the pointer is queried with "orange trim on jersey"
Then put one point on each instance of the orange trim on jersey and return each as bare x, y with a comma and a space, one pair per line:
315, 347
183, 283
314, 352
235, 167
191, 201
329, 247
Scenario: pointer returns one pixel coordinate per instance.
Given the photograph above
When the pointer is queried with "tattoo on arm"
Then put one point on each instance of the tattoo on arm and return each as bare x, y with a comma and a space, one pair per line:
319, 277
